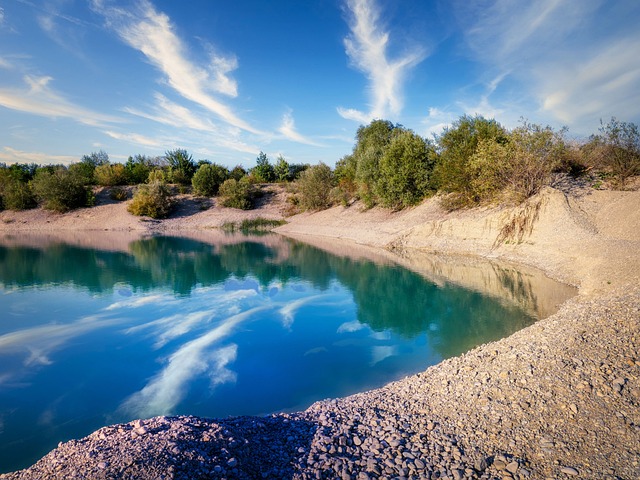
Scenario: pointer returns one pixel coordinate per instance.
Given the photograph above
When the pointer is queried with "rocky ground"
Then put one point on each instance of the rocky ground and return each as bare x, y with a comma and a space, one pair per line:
559, 399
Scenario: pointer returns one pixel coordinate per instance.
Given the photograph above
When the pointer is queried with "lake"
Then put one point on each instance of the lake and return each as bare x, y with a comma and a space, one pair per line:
104, 328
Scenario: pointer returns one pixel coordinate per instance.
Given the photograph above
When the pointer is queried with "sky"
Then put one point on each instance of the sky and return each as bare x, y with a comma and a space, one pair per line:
228, 79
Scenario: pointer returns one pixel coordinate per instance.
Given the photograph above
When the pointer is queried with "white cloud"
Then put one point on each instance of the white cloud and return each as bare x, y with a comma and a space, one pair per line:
10, 155
367, 48
350, 327
288, 130
164, 391
574, 61
41, 99
437, 120
152, 33
137, 139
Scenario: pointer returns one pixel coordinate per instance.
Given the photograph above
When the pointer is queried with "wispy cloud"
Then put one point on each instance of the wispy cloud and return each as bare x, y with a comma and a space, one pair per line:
367, 48
164, 391
40, 99
137, 139
574, 60
10, 155
152, 33
288, 130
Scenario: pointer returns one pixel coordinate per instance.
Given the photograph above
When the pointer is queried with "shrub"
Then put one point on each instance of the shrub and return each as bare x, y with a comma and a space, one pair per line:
118, 193
181, 166
237, 193
60, 189
86, 167
15, 190
157, 175
405, 171
138, 168
152, 200
314, 187
207, 180
616, 150
109, 175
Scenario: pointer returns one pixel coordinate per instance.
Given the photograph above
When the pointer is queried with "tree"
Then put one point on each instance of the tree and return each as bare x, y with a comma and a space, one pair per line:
110, 174
405, 171
181, 166
282, 170
208, 178
263, 171
457, 145
138, 168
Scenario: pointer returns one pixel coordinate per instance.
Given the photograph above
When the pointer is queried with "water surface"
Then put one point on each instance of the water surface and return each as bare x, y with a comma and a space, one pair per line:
223, 326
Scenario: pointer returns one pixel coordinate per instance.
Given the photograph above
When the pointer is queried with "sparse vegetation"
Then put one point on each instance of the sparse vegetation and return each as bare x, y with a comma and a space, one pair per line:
252, 225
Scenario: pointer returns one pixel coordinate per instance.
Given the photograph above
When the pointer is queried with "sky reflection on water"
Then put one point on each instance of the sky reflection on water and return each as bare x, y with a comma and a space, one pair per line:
90, 337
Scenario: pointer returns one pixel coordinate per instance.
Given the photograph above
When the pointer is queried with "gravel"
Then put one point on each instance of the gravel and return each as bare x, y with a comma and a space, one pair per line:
559, 399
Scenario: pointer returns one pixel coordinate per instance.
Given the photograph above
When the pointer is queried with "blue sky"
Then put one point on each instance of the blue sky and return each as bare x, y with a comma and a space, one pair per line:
227, 79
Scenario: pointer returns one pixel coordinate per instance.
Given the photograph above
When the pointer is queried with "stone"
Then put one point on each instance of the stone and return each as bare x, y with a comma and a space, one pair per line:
570, 471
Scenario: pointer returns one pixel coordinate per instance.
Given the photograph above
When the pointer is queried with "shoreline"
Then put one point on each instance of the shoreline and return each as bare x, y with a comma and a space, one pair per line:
558, 399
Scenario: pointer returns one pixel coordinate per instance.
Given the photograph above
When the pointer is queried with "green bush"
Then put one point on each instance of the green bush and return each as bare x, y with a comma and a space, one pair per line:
157, 175
152, 200
15, 190
405, 169
61, 189
207, 180
237, 193
110, 174
314, 187
238, 172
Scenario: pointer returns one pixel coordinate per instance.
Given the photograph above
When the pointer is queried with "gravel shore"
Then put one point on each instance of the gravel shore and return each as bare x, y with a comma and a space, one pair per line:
559, 399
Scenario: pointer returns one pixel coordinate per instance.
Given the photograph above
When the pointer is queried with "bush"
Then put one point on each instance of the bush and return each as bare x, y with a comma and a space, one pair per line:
237, 193
109, 175
138, 168
616, 150
118, 193
60, 189
314, 187
152, 200
207, 180
405, 171
15, 190
157, 175
238, 172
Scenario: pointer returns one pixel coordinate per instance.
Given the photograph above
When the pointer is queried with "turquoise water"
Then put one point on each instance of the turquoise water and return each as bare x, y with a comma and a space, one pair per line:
92, 337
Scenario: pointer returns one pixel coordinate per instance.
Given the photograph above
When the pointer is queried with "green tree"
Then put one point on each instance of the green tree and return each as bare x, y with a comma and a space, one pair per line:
181, 166
405, 171
238, 172
110, 174
263, 171
138, 168
207, 180
314, 186
15, 189
457, 145
282, 170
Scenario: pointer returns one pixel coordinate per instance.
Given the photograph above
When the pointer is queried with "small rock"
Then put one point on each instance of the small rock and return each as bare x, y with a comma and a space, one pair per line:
513, 467
569, 471
232, 462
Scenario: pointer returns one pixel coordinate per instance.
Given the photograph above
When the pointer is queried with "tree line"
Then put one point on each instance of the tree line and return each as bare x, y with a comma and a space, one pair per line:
474, 161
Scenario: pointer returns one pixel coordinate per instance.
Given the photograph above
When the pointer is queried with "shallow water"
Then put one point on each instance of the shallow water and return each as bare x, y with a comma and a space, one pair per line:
213, 327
